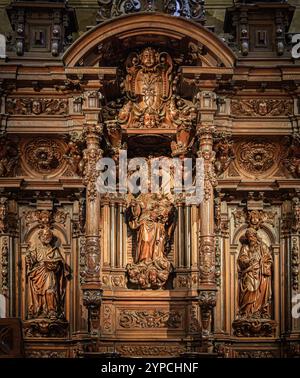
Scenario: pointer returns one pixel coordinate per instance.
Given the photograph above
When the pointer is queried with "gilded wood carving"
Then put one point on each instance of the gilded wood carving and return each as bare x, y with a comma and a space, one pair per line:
152, 215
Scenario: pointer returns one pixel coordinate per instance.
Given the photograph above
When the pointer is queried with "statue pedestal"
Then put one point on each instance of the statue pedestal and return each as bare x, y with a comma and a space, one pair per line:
254, 327
46, 328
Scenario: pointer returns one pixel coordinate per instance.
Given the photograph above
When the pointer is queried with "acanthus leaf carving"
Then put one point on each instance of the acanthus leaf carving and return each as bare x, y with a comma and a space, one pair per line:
256, 354
46, 354
194, 324
82, 260
142, 350
150, 319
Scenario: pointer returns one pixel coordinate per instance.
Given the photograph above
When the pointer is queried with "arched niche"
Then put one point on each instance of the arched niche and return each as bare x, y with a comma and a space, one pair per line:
32, 236
133, 31
265, 233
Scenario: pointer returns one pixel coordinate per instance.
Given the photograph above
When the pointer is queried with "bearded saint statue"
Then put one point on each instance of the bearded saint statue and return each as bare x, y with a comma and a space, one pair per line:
255, 274
47, 275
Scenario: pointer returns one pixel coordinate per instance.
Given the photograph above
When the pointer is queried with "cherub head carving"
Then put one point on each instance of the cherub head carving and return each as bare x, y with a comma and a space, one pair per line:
149, 57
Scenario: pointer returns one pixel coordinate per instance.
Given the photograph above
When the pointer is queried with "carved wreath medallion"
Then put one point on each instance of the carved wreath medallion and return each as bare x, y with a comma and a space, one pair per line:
257, 157
43, 156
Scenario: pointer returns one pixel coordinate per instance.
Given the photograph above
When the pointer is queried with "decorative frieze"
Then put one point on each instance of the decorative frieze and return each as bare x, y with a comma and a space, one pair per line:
156, 350
45, 218
46, 353
262, 107
37, 106
150, 319
256, 354
194, 10
254, 218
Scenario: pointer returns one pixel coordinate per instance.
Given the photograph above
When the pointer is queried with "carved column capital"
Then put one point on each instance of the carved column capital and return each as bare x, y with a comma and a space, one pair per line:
93, 133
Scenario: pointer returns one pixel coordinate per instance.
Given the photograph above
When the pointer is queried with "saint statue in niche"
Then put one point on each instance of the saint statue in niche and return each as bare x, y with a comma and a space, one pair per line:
47, 274
255, 273
152, 215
